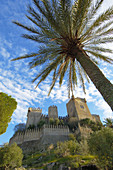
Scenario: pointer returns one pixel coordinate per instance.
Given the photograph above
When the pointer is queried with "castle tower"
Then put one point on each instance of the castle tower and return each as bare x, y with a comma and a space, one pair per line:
33, 116
52, 112
77, 107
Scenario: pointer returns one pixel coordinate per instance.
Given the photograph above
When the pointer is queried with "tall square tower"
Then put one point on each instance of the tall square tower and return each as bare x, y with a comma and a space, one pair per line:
33, 116
77, 107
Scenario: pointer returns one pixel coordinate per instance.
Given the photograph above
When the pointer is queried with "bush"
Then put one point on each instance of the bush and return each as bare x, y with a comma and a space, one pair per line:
95, 126
66, 148
40, 124
31, 127
19, 127
101, 144
11, 156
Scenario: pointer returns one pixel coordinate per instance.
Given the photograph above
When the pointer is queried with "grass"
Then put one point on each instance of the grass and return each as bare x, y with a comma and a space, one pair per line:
41, 160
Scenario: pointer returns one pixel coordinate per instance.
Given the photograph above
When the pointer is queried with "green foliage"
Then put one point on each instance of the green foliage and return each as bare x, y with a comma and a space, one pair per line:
11, 156
101, 144
95, 126
31, 127
73, 124
42, 160
72, 137
83, 147
108, 122
66, 148
51, 121
56, 122
19, 127
67, 35
7, 107
77, 161
61, 122
40, 124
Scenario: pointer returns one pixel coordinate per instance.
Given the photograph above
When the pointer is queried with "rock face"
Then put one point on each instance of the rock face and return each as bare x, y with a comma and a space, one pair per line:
37, 139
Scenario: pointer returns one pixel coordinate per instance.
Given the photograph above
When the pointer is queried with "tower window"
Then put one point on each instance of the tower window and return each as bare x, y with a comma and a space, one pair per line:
81, 106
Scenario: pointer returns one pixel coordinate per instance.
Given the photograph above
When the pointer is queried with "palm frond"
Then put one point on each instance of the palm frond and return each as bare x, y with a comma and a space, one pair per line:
98, 49
99, 35
100, 41
39, 39
26, 56
74, 76
28, 28
69, 83
93, 9
100, 56
80, 76
81, 13
44, 73
56, 77
63, 73
99, 20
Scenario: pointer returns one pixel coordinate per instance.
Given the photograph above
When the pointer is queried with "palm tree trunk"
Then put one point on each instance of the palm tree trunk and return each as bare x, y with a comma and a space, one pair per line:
103, 85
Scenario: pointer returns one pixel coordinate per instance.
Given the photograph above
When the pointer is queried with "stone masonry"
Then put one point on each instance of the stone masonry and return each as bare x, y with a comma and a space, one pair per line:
36, 139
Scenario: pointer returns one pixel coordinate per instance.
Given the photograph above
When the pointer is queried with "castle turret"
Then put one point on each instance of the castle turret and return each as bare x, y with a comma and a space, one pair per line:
77, 107
52, 112
33, 116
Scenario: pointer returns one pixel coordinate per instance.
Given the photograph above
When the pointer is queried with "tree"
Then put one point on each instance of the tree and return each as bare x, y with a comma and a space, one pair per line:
101, 144
91, 124
51, 121
7, 107
71, 38
56, 122
11, 156
40, 124
73, 123
108, 122
66, 148
19, 127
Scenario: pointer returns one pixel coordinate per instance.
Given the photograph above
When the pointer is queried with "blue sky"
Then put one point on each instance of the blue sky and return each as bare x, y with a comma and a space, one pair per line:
15, 77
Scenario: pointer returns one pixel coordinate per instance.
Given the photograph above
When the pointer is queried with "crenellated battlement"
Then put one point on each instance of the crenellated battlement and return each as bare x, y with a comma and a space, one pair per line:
27, 135
55, 127
53, 106
32, 139
32, 109
36, 134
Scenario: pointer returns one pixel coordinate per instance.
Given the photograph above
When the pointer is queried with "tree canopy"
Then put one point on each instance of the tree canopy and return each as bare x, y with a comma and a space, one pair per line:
19, 127
11, 156
108, 122
101, 144
7, 107
71, 37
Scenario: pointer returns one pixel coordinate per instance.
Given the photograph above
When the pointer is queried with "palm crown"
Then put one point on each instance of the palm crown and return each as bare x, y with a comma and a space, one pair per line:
70, 37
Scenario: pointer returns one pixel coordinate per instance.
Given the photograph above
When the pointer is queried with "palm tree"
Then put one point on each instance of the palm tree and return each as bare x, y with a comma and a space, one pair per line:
71, 38
108, 122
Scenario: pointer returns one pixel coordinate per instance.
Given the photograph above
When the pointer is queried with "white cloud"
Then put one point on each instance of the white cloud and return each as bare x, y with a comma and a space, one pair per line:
16, 77
4, 53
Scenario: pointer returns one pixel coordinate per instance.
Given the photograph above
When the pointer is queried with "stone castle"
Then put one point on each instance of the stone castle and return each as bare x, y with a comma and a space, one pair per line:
36, 139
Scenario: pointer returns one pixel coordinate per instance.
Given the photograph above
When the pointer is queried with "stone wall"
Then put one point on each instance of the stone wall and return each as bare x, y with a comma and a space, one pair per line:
55, 130
37, 139
28, 135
